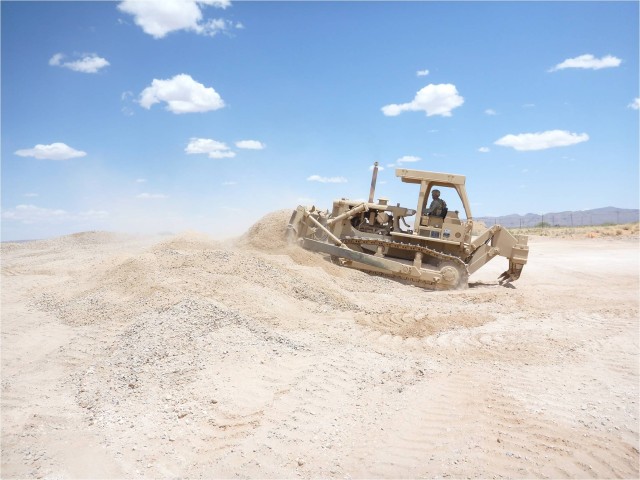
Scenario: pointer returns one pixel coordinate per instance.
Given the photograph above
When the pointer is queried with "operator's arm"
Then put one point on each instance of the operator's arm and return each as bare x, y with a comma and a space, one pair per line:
429, 211
435, 204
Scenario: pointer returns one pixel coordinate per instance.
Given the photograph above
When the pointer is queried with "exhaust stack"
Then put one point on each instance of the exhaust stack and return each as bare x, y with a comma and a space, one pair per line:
373, 182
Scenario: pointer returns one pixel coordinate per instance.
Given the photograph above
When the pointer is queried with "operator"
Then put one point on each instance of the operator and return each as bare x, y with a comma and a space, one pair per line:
438, 206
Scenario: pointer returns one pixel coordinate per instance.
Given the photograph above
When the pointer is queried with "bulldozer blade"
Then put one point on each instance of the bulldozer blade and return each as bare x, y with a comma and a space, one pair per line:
382, 264
345, 253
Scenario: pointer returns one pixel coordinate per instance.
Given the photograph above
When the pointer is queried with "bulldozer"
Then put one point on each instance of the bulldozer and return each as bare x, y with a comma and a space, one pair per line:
439, 252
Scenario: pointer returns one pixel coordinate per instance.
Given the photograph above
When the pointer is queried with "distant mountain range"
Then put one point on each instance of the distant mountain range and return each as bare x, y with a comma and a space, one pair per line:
597, 216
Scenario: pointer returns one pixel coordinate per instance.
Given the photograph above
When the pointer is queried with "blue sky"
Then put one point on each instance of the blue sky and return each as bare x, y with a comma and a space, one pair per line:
168, 116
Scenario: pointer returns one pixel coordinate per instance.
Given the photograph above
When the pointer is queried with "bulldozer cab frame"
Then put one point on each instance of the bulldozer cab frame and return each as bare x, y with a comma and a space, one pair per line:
447, 229
429, 180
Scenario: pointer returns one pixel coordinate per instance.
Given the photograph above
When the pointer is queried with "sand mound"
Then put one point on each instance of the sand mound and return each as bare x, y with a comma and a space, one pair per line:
8, 247
74, 239
189, 241
268, 236
81, 239
192, 264
89, 238
94, 238
268, 233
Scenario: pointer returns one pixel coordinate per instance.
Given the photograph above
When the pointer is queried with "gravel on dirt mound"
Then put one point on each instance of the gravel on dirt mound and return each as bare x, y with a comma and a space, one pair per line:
268, 233
189, 241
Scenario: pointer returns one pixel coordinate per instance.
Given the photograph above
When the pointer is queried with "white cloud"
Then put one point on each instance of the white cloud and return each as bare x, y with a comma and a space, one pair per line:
30, 214
89, 63
30, 195
250, 144
160, 18
218, 25
588, 61
182, 95
490, 111
151, 196
212, 148
141, 180
33, 214
408, 159
56, 60
229, 183
204, 145
483, 150
55, 151
127, 99
318, 178
541, 140
422, 73
216, 3
635, 104
380, 168
529, 105
433, 100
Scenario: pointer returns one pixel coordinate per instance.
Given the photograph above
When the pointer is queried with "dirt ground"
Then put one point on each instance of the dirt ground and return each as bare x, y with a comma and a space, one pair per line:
185, 357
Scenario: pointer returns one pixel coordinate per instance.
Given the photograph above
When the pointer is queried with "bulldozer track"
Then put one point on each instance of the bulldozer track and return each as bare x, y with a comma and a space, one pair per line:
415, 248
405, 246
413, 281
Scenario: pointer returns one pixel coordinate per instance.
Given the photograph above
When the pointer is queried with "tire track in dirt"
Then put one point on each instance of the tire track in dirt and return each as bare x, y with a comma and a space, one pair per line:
500, 410
458, 419
414, 435
312, 421
303, 418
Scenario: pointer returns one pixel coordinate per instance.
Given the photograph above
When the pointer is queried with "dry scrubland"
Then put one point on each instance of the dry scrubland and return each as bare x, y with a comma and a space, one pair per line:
628, 230
177, 357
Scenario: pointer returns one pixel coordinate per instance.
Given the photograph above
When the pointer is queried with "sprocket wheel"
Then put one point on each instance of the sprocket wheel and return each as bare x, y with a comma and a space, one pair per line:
454, 274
